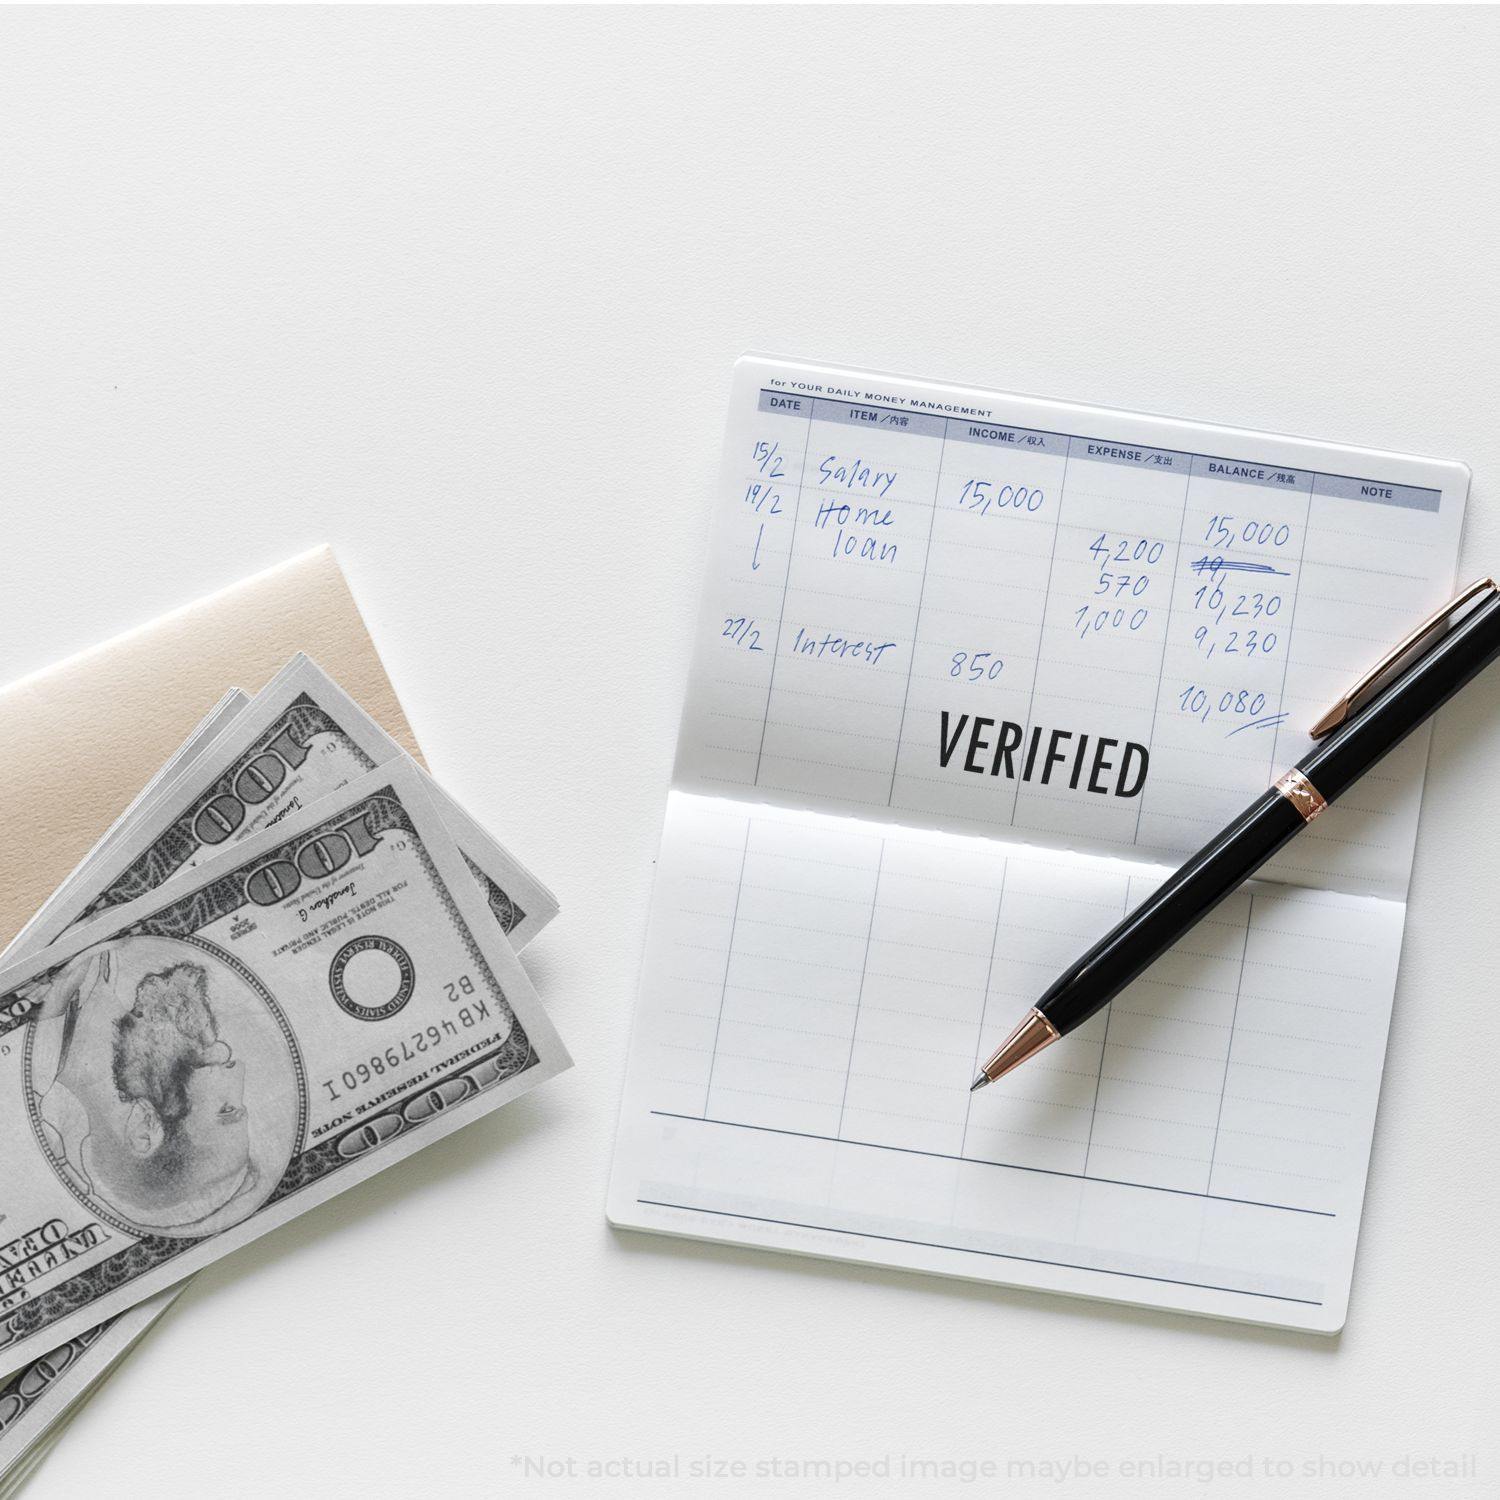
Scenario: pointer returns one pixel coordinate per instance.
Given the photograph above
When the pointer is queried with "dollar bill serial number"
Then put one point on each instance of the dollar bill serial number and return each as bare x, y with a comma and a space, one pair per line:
431, 1042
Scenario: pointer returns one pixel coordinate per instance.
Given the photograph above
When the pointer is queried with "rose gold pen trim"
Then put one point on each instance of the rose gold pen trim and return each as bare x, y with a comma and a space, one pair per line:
1302, 794
1034, 1033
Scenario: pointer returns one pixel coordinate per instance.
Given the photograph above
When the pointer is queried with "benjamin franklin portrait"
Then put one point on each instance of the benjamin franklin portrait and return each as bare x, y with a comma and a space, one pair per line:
144, 1084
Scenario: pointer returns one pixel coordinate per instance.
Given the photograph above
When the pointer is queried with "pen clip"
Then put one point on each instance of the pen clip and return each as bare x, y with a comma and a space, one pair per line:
1439, 617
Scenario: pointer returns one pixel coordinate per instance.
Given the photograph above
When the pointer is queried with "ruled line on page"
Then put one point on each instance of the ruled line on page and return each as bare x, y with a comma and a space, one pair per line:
984, 1161
973, 1250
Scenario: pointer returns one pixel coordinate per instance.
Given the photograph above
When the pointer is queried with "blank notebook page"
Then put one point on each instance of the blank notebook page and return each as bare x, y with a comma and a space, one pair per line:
973, 673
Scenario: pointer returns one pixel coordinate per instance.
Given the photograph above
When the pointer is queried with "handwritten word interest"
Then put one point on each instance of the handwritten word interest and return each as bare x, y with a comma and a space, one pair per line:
839, 647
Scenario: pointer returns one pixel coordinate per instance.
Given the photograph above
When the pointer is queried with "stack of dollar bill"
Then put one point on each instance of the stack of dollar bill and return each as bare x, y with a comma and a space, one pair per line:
290, 963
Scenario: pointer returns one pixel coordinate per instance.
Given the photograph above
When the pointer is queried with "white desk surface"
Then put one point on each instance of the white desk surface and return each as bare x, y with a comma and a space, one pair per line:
459, 292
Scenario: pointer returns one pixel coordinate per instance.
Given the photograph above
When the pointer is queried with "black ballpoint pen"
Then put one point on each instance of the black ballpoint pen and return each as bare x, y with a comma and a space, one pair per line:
1407, 689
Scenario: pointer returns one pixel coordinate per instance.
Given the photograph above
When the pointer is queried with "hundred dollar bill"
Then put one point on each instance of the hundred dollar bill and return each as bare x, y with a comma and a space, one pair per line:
186, 1071
182, 783
301, 738
37, 1401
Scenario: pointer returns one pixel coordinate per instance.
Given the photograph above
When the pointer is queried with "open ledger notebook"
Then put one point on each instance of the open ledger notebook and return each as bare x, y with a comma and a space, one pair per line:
973, 673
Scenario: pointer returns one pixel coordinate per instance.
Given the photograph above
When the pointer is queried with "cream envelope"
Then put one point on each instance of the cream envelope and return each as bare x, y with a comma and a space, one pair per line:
79, 739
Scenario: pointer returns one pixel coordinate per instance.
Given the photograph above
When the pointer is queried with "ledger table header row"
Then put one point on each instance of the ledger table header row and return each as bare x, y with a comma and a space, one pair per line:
1097, 450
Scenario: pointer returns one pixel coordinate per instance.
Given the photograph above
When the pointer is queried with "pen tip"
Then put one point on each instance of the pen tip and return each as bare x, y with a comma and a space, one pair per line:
979, 1083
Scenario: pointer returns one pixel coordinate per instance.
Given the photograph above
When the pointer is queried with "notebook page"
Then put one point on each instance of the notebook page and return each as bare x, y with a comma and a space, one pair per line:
1101, 630
817, 992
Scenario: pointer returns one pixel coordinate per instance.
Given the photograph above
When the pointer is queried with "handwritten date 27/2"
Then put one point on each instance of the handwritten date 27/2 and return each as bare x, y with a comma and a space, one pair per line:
743, 632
